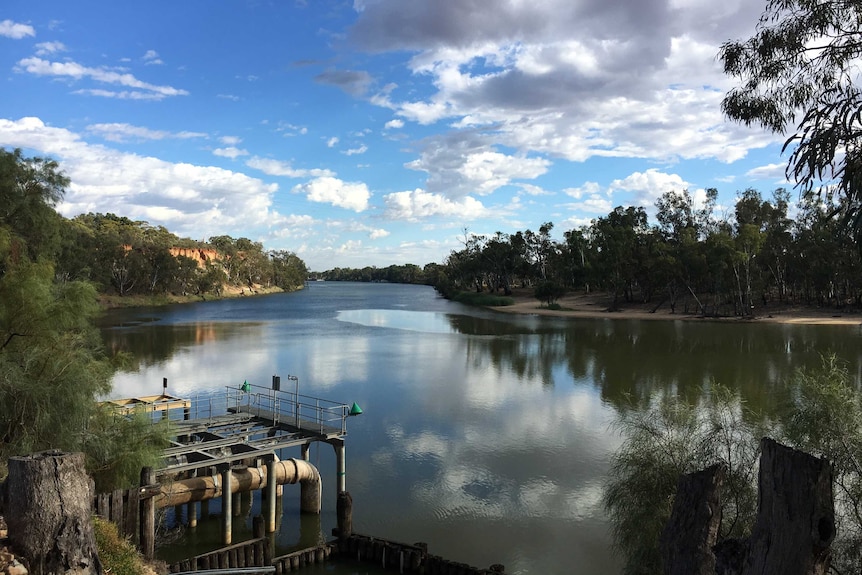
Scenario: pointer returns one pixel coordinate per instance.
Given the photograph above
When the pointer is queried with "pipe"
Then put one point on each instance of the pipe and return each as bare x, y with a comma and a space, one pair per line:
246, 479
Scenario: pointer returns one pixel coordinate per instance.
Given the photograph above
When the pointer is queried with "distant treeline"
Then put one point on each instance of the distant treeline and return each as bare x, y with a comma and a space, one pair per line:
730, 265
402, 274
717, 266
129, 257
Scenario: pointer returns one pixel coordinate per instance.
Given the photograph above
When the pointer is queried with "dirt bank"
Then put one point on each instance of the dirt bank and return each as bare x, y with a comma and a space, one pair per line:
596, 306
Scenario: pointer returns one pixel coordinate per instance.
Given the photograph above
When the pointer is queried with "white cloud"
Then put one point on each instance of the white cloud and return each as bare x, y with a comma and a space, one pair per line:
120, 132
230, 140
191, 200
458, 166
45, 48
378, 233
774, 172
75, 71
331, 190
151, 58
14, 30
230, 97
649, 185
278, 168
394, 124
354, 151
230, 152
419, 204
331, 142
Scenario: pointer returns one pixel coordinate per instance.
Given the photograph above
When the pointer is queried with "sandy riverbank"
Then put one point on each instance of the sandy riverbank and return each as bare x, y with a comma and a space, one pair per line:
596, 306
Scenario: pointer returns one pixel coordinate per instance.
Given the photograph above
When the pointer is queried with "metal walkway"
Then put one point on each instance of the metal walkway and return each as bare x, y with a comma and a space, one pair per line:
246, 423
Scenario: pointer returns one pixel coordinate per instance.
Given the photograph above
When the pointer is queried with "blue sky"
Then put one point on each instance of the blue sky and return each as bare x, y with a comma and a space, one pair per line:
375, 132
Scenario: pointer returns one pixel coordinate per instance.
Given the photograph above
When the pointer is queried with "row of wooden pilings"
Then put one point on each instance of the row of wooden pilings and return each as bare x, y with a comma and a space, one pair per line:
384, 553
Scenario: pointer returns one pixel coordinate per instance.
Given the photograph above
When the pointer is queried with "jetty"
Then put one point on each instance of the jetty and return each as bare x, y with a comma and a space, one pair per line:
226, 444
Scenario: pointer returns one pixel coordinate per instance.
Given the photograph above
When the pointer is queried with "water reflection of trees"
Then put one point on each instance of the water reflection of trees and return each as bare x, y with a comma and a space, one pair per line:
151, 344
629, 361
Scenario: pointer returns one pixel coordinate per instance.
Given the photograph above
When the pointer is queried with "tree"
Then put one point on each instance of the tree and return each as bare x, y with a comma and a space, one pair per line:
799, 74
29, 190
52, 363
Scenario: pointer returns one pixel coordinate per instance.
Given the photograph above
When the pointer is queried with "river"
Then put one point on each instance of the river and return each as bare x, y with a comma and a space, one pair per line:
485, 435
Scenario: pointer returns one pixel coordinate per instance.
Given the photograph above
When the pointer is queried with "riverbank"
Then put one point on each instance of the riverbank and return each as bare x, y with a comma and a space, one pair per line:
110, 301
596, 306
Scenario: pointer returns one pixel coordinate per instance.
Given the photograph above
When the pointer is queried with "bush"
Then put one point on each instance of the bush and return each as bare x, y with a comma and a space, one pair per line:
482, 299
549, 292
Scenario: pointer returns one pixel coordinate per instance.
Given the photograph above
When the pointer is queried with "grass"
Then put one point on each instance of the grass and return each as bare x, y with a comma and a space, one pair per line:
118, 556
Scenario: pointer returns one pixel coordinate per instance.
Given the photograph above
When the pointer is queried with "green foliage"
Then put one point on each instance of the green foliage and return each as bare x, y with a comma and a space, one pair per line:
825, 419
117, 447
549, 292
482, 299
118, 556
800, 71
51, 365
668, 438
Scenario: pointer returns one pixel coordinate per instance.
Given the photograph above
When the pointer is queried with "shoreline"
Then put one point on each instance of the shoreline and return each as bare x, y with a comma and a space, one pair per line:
595, 306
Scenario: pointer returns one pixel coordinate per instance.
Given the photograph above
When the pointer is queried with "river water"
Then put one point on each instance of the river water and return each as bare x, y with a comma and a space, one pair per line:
485, 435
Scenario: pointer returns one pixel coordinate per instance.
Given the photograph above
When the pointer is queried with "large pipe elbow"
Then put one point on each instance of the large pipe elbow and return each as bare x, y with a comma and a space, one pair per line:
247, 479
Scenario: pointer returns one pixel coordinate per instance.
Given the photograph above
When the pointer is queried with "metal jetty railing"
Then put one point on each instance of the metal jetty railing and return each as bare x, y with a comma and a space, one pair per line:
303, 412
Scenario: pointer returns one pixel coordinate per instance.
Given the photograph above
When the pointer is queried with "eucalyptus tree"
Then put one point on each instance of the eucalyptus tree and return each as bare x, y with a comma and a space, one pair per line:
617, 239
799, 75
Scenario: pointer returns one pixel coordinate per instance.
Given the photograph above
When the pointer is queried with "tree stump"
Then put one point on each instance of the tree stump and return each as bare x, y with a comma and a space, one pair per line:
692, 530
795, 522
48, 513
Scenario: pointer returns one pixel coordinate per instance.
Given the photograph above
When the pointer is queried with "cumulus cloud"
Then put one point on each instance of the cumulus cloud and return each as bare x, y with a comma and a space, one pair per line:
459, 165
331, 142
230, 140
191, 200
16, 31
419, 204
354, 82
649, 185
395, 124
569, 79
331, 190
74, 71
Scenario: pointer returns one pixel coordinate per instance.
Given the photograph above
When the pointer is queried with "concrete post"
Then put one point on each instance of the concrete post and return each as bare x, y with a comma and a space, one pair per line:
340, 465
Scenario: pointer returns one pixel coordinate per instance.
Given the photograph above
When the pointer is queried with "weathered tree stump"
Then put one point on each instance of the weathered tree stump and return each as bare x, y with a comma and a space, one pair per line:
795, 522
48, 513
793, 531
692, 530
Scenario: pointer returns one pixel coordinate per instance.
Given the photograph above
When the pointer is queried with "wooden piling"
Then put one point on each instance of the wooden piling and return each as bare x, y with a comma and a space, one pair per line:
226, 502
147, 534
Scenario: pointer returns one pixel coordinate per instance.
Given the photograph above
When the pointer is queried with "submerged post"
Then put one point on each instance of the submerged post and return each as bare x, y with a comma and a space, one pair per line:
344, 511
147, 533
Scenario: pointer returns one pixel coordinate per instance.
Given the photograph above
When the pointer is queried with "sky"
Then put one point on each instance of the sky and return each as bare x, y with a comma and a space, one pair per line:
378, 132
